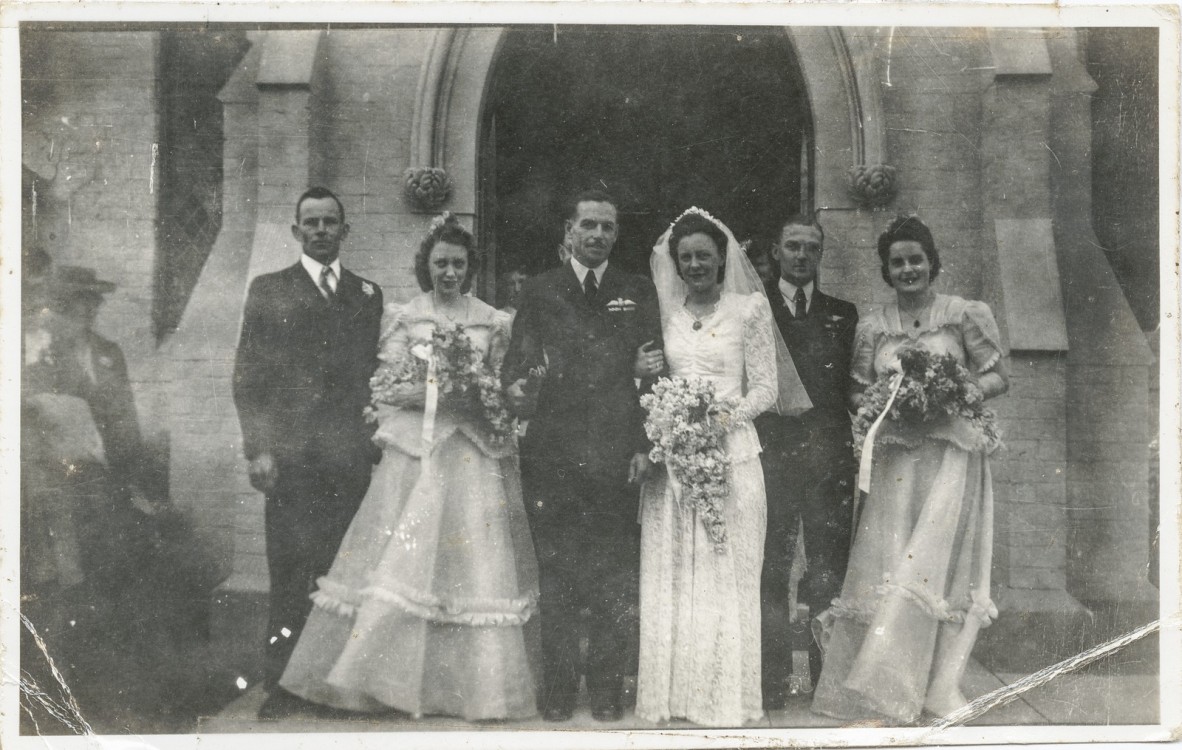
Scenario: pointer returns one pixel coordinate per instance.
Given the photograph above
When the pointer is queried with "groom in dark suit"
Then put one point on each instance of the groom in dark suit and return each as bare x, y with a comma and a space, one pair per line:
594, 328
301, 381
808, 461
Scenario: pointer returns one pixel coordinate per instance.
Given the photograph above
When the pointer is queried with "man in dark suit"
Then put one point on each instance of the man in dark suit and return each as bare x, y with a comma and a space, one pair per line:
301, 382
594, 328
808, 461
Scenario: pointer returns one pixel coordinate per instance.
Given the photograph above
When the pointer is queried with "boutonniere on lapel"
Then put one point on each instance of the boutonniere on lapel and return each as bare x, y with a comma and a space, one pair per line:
106, 361
619, 304
367, 288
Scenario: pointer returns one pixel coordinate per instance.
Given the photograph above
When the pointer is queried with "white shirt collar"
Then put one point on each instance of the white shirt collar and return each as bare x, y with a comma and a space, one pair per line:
788, 289
581, 270
313, 266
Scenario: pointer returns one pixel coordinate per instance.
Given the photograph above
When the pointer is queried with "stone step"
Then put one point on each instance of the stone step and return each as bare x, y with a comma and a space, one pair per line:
241, 716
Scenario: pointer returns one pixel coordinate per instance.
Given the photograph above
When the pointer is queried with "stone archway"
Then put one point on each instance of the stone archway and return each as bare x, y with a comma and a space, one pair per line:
451, 127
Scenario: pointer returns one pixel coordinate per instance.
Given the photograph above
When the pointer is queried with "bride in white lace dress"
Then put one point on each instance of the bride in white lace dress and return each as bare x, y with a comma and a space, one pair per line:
699, 608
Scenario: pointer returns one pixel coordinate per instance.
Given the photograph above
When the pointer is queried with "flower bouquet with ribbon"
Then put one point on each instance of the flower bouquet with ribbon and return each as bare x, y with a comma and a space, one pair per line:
687, 423
453, 374
929, 396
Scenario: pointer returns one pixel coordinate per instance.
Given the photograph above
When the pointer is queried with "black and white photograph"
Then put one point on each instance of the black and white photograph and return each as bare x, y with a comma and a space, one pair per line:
589, 375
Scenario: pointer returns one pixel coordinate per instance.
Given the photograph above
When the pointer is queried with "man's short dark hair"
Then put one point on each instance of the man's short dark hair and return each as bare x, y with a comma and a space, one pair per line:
594, 195
802, 220
317, 193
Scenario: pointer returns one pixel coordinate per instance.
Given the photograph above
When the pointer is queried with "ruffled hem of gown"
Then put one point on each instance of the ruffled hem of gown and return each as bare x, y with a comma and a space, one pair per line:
344, 602
937, 607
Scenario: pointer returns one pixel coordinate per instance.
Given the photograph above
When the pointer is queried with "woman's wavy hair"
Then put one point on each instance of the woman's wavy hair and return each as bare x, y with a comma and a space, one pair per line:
908, 229
693, 224
445, 229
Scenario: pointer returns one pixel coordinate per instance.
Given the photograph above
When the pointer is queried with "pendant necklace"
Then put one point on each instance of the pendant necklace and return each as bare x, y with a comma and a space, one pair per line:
914, 317
443, 311
698, 318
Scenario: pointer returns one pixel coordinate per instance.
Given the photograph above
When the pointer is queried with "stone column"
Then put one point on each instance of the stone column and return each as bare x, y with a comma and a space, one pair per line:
1107, 375
1021, 281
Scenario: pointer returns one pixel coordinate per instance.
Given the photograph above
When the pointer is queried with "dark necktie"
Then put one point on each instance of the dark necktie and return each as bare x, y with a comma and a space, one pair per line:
802, 304
326, 276
590, 287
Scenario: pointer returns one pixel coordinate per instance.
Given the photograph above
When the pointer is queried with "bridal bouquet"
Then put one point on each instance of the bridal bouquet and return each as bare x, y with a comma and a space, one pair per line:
686, 422
933, 387
465, 382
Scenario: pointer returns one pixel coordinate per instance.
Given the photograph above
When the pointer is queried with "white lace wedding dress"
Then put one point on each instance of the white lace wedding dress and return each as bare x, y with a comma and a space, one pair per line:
699, 609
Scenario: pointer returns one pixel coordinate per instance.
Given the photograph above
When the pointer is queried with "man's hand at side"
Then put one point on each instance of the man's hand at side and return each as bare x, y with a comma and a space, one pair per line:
639, 468
263, 472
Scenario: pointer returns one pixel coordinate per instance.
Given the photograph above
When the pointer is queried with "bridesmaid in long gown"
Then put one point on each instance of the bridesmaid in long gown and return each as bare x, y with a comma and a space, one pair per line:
699, 608
423, 608
917, 588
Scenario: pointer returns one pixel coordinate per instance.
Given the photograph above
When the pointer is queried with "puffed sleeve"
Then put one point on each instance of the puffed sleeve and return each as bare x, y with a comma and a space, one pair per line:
393, 353
759, 359
865, 342
393, 343
982, 339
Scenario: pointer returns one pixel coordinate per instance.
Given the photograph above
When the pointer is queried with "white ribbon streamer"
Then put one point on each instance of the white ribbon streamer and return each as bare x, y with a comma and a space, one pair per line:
872, 433
430, 406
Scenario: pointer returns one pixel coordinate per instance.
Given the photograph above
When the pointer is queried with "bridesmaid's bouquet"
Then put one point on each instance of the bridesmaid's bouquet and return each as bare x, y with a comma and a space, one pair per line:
687, 423
933, 388
465, 381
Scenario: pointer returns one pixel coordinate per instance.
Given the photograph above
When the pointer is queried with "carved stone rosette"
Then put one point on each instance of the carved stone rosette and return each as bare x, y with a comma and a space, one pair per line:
873, 185
427, 188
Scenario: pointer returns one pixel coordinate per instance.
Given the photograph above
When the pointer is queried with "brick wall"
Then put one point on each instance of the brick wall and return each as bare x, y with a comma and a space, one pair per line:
1108, 419
363, 117
350, 131
932, 102
90, 114
1029, 476
207, 470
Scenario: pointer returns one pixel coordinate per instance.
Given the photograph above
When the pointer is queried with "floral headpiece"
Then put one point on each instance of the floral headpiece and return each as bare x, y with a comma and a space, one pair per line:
438, 222
700, 212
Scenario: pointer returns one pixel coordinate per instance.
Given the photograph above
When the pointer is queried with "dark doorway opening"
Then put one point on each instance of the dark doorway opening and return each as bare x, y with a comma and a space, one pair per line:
662, 118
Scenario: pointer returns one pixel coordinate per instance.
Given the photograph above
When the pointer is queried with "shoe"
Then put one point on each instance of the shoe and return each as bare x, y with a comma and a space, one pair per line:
614, 712
607, 707
558, 713
281, 704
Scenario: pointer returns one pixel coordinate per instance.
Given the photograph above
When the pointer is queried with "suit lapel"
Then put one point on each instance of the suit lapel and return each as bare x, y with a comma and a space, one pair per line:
780, 309
348, 291
610, 287
304, 285
574, 290
820, 304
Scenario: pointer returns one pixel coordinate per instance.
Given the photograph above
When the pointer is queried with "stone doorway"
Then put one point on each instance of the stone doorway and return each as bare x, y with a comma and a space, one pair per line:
663, 118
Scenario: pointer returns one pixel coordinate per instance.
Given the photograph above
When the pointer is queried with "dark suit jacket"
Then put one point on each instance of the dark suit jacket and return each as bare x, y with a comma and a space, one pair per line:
113, 407
301, 377
588, 410
821, 346
110, 400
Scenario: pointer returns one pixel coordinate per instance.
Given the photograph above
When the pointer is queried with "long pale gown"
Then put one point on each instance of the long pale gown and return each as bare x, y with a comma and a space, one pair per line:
424, 607
923, 547
699, 609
